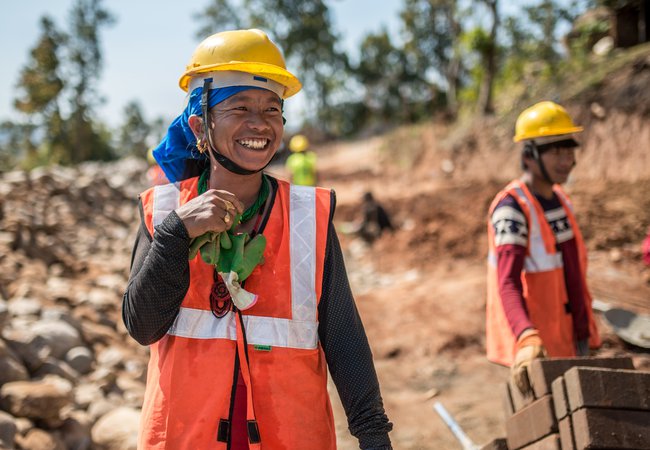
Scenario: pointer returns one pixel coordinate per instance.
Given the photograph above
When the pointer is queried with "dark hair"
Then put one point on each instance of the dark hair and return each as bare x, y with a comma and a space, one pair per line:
194, 167
527, 151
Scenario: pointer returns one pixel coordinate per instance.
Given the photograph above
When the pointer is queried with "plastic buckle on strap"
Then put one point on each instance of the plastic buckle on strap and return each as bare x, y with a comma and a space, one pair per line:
223, 432
253, 432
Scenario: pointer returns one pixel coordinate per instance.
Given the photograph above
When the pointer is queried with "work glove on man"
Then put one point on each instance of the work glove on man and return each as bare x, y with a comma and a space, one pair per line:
529, 347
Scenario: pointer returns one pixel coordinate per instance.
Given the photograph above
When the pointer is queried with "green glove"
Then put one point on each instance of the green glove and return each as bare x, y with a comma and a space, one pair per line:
198, 242
253, 255
232, 257
230, 252
211, 249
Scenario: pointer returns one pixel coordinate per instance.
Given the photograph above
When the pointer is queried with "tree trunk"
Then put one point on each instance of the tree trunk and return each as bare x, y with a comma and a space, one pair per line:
485, 94
453, 69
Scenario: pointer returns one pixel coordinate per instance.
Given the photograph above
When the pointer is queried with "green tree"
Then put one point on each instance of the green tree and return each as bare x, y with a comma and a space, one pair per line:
134, 132
39, 89
40, 81
488, 51
16, 145
304, 31
85, 138
432, 30
392, 92
546, 19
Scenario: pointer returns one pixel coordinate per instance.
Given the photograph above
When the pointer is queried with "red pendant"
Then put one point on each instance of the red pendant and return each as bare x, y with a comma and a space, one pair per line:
220, 301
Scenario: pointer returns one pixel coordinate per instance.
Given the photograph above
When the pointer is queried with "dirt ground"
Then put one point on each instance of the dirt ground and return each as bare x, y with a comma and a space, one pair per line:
421, 290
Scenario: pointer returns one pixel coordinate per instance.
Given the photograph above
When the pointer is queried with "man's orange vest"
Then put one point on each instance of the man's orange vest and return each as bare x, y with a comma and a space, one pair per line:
544, 288
192, 369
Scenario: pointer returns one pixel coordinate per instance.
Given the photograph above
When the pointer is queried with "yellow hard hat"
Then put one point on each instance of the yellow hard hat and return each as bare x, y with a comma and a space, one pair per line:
249, 51
544, 119
298, 143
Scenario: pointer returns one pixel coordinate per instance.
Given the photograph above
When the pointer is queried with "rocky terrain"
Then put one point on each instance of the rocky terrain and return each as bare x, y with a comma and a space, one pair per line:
70, 376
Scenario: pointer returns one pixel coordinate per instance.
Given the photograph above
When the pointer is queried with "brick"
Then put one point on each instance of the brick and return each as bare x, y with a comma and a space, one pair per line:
566, 434
508, 407
496, 444
519, 400
550, 442
532, 423
558, 388
542, 372
607, 388
611, 429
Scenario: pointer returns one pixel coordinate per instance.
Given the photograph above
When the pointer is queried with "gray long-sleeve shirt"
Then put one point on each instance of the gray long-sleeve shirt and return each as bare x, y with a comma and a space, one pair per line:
160, 278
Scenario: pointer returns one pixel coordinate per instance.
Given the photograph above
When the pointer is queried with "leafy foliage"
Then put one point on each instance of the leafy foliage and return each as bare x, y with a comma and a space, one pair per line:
451, 56
135, 131
62, 66
306, 33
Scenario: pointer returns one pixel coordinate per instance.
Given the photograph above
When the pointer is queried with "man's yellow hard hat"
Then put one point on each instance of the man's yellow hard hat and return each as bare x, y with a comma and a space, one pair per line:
298, 143
544, 119
249, 51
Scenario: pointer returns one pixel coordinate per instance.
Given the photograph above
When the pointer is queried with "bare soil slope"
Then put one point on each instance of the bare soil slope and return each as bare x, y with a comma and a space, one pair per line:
421, 289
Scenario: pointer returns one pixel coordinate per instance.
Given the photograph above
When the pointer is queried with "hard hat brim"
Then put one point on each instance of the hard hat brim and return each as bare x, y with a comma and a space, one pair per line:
284, 77
550, 132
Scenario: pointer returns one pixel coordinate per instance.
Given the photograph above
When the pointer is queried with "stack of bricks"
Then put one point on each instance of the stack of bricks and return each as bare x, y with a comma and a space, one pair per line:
576, 404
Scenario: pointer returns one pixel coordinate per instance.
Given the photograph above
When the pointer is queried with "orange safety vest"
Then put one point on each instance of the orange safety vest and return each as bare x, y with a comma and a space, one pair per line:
192, 369
156, 176
544, 287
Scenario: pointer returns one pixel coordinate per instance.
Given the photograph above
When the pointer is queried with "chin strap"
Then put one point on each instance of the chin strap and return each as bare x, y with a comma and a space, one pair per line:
537, 157
227, 163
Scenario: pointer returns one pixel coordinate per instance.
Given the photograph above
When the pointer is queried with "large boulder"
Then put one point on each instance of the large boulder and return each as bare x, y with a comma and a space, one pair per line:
117, 430
37, 439
11, 368
8, 430
59, 335
38, 400
75, 432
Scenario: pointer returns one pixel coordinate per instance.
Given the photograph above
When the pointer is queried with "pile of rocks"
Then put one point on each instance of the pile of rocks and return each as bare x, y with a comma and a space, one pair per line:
70, 376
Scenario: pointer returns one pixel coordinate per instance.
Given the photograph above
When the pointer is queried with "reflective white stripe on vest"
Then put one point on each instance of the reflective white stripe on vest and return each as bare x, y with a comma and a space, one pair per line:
302, 220
538, 259
276, 332
165, 200
301, 331
492, 258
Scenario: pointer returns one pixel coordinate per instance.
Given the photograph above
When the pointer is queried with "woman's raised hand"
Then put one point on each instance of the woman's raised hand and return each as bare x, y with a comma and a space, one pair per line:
213, 210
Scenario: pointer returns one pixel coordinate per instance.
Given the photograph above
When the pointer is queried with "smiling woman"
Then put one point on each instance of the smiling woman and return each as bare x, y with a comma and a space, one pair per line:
246, 128
238, 282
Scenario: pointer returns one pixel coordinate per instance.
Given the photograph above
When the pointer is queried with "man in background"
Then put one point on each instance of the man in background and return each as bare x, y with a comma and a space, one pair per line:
301, 164
538, 301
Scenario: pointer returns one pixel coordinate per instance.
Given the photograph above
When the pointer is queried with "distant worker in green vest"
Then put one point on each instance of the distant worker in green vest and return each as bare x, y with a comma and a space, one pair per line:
301, 164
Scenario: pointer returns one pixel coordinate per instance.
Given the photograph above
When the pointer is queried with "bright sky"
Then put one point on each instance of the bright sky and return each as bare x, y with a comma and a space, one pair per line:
147, 48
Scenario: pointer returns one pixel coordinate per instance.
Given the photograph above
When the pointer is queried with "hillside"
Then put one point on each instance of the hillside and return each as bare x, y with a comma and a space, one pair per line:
421, 290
